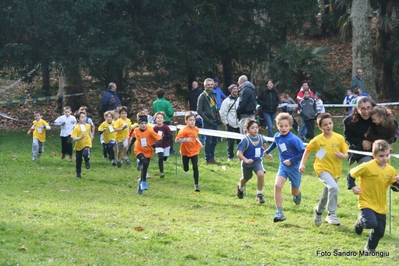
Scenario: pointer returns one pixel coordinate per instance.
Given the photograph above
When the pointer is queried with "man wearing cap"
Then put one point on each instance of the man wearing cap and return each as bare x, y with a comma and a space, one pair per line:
220, 96
228, 115
246, 102
110, 99
209, 111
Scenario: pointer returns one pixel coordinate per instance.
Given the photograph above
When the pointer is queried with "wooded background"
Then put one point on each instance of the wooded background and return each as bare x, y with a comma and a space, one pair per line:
178, 41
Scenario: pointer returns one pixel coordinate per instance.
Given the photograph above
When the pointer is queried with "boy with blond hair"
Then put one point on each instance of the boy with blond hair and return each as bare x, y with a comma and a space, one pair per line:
290, 148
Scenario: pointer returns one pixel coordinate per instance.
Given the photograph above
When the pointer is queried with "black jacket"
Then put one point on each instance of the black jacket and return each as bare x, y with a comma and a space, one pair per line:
269, 100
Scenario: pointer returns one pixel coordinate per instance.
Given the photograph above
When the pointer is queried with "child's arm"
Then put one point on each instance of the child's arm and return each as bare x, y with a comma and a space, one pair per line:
240, 155
59, 122
74, 135
181, 137
395, 185
199, 142
341, 155
305, 157
269, 150
30, 129
46, 125
183, 140
352, 185
129, 150
93, 130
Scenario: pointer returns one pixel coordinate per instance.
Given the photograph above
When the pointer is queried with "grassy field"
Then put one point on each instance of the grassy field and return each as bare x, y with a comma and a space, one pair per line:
48, 216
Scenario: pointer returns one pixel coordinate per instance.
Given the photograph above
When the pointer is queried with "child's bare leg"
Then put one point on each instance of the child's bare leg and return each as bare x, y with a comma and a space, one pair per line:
261, 179
278, 195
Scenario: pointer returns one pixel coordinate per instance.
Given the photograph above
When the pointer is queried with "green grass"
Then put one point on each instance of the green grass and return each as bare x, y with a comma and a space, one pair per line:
48, 216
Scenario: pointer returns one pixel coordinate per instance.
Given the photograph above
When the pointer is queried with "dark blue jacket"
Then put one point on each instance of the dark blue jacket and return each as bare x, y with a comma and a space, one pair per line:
105, 106
247, 100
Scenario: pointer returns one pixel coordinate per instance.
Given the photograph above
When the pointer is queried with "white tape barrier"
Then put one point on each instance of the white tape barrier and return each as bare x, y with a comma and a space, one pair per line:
233, 135
21, 79
183, 113
337, 105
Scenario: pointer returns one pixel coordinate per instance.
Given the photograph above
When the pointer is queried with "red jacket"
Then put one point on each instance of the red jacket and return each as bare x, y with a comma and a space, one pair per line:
299, 96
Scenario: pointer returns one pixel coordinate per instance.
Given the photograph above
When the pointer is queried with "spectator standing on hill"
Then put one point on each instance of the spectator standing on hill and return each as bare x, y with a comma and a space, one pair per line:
110, 99
246, 102
220, 96
269, 100
193, 95
357, 81
228, 115
209, 111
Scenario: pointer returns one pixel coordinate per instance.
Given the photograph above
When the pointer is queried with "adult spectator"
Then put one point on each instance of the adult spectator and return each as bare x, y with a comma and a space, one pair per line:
357, 81
220, 96
110, 99
208, 110
193, 95
269, 100
246, 102
304, 87
161, 104
355, 128
228, 115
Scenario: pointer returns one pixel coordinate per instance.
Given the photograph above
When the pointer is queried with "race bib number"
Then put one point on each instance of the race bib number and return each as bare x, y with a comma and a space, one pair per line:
83, 127
283, 148
257, 152
143, 142
321, 153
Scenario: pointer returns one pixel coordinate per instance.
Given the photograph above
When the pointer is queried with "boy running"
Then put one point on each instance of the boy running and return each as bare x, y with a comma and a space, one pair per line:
290, 148
250, 151
375, 177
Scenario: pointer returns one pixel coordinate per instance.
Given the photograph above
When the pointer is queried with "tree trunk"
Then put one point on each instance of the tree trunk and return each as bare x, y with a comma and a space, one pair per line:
362, 51
227, 73
46, 77
70, 82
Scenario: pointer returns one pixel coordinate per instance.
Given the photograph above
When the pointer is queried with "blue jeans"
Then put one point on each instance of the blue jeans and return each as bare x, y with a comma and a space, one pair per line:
230, 142
210, 143
303, 129
269, 118
369, 219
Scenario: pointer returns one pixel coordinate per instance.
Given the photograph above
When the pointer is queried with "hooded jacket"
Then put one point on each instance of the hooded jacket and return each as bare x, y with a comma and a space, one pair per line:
247, 100
228, 112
